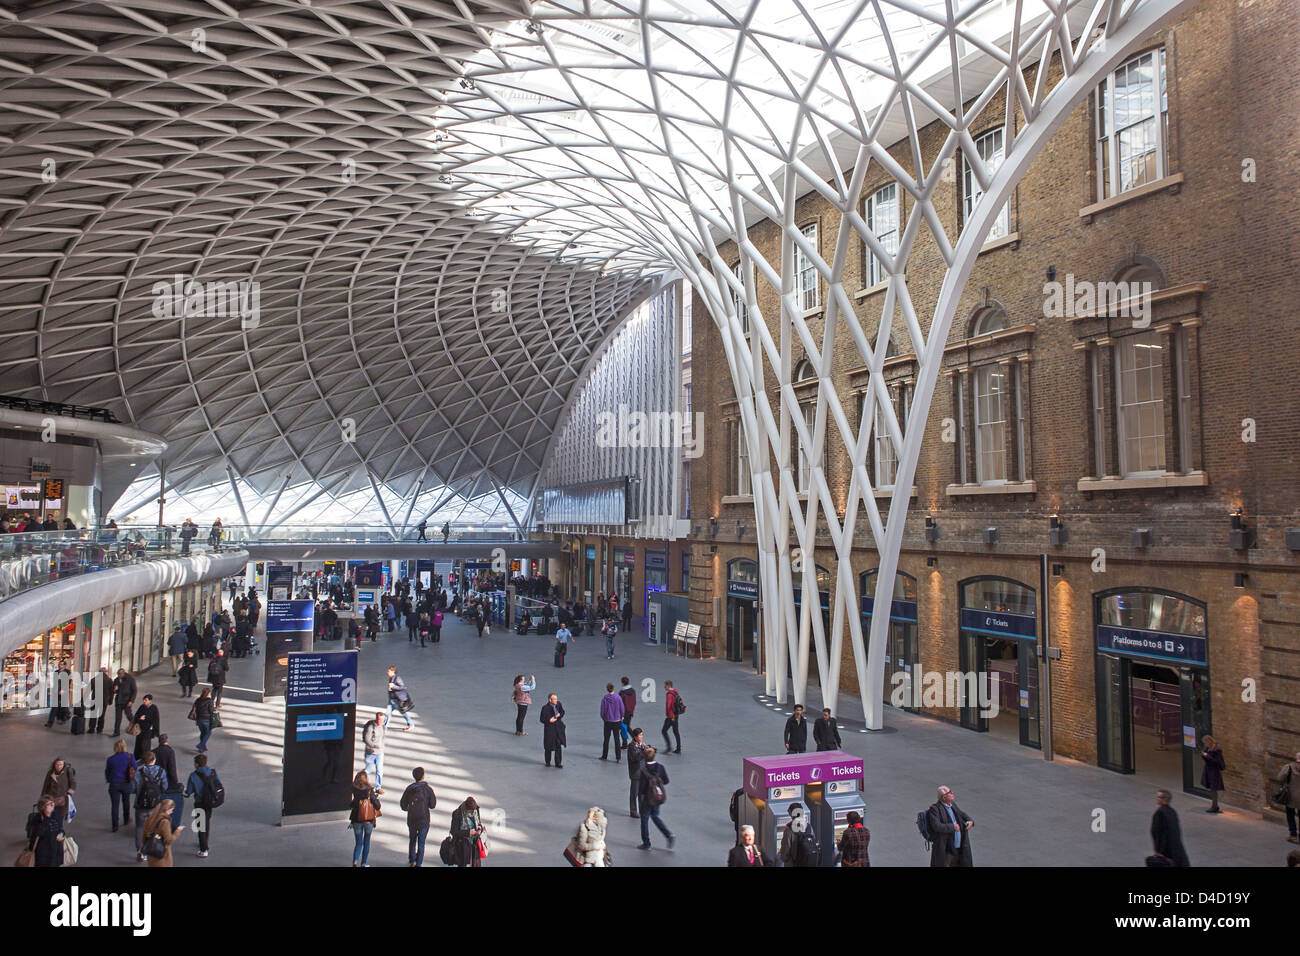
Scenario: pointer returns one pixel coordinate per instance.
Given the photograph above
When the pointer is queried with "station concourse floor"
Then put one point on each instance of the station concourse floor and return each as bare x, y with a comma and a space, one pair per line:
1027, 811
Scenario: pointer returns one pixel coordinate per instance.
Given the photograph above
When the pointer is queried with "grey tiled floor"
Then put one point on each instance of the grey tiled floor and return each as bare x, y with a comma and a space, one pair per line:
1028, 811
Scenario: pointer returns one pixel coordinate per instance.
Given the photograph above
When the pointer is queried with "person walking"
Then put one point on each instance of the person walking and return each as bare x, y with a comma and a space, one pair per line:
175, 792
398, 698
188, 675
204, 786
854, 841
674, 707
372, 736
418, 800
627, 613
218, 668
522, 697
949, 831
365, 809
446, 531
1166, 832
421, 528
151, 783
826, 732
176, 646
59, 785
1212, 771
611, 712
745, 853
201, 713
159, 831
653, 794
553, 737
1288, 795
796, 732
562, 638
46, 839
628, 693
124, 691
119, 773
636, 749
102, 689
610, 630
147, 722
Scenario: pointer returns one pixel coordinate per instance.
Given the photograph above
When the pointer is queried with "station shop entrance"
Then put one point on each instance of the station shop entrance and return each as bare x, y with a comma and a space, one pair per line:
998, 647
1153, 686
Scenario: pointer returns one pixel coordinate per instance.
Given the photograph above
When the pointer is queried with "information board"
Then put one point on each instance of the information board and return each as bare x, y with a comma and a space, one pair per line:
328, 677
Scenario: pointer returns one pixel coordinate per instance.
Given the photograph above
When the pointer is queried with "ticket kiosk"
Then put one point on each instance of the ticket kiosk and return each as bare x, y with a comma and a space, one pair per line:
828, 784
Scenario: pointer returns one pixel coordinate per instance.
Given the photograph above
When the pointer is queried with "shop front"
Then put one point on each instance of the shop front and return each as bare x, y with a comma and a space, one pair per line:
742, 611
901, 654
998, 653
624, 570
25, 667
1153, 683
656, 575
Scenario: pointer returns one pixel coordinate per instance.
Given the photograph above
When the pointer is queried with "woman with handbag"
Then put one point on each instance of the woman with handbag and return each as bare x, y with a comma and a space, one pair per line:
467, 834
119, 772
365, 814
1288, 795
1212, 772
46, 844
60, 783
201, 713
188, 675
159, 835
522, 697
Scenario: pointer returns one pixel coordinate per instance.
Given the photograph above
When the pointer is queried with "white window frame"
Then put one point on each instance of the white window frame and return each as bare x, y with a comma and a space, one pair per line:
1098, 416
987, 426
876, 273
1150, 343
803, 468
742, 309
991, 150
806, 282
1110, 181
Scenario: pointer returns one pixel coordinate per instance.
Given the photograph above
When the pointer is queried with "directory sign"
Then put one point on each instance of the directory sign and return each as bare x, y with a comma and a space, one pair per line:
322, 678
290, 627
1156, 645
320, 720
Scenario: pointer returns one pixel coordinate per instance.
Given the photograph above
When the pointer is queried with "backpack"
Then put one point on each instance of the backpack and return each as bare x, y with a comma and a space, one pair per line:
923, 825
216, 673
150, 789
679, 705
654, 791
807, 851
444, 852
214, 794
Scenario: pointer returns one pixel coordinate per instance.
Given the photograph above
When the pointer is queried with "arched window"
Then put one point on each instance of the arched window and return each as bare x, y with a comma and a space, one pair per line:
803, 371
989, 319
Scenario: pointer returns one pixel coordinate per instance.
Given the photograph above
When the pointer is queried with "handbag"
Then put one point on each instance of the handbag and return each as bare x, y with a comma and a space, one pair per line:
154, 846
571, 854
405, 705
216, 719
72, 808
1282, 795
482, 846
191, 715
133, 728
26, 858
70, 851
367, 812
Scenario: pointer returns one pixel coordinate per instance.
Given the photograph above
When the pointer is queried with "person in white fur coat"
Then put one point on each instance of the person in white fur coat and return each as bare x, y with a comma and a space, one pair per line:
589, 841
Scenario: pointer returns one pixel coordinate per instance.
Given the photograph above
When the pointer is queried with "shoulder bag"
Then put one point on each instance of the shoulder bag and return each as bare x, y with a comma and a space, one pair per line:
70, 851
1282, 795
26, 857
133, 728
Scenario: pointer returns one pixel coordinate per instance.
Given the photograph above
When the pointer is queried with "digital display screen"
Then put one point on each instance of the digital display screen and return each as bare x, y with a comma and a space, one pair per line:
320, 727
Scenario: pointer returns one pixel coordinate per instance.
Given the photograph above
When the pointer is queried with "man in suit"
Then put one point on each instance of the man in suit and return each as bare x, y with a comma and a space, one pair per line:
826, 732
796, 732
1166, 833
949, 832
101, 701
745, 853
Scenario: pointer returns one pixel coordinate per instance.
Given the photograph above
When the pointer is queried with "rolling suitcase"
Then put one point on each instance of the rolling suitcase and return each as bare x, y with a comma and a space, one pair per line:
78, 720
559, 655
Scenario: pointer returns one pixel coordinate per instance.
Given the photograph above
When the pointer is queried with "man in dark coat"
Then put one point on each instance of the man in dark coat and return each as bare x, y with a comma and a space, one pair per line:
146, 715
417, 801
796, 732
746, 853
553, 738
949, 832
123, 699
100, 702
1166, 833
826, 732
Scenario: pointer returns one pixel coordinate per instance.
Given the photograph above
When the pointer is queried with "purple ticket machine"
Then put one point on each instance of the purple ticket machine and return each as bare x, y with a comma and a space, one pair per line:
828, 784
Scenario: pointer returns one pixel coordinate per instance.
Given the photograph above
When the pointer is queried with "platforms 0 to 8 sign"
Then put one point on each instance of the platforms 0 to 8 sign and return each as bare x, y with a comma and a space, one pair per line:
322, 678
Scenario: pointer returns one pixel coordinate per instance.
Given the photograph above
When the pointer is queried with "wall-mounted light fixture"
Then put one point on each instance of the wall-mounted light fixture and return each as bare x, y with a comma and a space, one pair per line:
931, 530
1056, 531
932, 562
740, 530
1239, 537
1058, 570
990, 535
1240, 579
1141, 538
1051, 273
1293, 539
713, 526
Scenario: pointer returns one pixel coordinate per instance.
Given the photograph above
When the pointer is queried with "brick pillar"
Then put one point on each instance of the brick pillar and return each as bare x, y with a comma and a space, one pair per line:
1169, 387
1026, 430
1010, 448
1192, 357
964, 382
1109, 412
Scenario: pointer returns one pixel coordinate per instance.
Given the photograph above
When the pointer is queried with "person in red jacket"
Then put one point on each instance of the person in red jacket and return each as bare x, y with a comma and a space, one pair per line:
673, 709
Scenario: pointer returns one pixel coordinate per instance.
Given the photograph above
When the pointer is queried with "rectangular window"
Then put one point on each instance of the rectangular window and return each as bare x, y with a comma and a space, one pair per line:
742, 310
990, 150
743, 485
805, 273
804, 472
686, 572
1140, 403
962, 475
991, 424
1184, 403
882, 220
1132, 125
885, 460
1098, 416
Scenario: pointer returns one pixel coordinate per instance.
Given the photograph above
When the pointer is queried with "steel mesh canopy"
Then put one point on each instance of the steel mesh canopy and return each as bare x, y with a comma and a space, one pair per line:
388, 170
